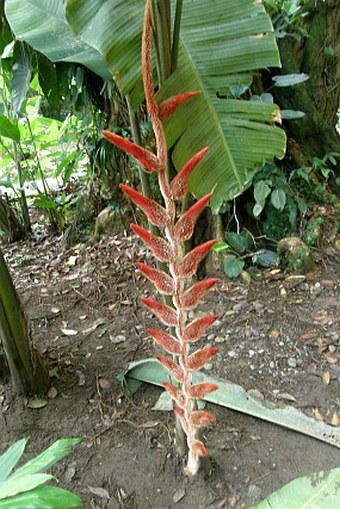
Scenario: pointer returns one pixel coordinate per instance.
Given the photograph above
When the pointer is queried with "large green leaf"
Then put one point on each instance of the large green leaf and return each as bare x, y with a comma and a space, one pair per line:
47, 458
21, 76
43, 26
221, 43
10, 458
236, 398
12, 487
316, 491
44, 497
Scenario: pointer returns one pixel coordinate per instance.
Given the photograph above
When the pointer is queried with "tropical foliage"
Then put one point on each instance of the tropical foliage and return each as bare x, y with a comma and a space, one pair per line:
24, 488
218, 51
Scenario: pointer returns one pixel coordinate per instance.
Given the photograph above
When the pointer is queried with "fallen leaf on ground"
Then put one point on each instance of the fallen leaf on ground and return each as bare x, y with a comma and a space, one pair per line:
37, 403
286, 396
52, 393
69, 332
332, 357
99, 492
308, 335
97, 323
255, 393
335, 419
326, 377
318, 415
178, 495
72, 260
104, 383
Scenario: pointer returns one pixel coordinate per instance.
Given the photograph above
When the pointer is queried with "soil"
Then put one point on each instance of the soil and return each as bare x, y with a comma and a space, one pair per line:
278, 337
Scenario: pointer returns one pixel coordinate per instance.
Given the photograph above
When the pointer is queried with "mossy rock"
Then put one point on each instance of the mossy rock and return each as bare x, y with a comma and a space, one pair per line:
314, 230
295, 255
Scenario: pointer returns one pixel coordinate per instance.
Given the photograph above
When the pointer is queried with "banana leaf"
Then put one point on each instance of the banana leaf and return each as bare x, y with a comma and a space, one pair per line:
42, 24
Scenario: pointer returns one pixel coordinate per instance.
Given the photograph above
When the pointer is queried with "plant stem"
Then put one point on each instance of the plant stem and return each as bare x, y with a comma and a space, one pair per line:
136, 134
51, 214
23, 200
175, 35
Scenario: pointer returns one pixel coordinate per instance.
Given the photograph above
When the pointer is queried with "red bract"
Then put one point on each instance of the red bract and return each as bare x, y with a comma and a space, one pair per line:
179, 185
199, 449
162, 281
175, 393
192, 296
167, 315
166, 341
171, 366
160, 247
145, 157
185, 225
169, 247
167, 107
197, 360
197, 328
201, 418
189, 264
199, 391
156, 214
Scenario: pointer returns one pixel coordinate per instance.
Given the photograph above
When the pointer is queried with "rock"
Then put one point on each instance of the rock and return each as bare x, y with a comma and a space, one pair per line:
238, 308
110, 221
220, 339
254, 492
295, 255
303, 287
217, 323
231, 354
315, 290
292, 363
258, 306
314, 230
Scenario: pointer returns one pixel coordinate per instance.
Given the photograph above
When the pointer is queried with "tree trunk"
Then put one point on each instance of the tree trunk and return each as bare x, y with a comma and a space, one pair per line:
9, 222
318, 97
28, 370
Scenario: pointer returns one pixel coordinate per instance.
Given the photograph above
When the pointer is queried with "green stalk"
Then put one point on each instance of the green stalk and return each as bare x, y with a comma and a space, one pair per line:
137, 138
175, 35
161, 17
23, 200
50, 212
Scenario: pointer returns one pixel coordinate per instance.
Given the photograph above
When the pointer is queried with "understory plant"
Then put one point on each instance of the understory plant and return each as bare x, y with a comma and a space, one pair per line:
174, 280
24, 488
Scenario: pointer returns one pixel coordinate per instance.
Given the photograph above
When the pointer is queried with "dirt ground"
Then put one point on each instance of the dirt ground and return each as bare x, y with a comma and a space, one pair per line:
278, 337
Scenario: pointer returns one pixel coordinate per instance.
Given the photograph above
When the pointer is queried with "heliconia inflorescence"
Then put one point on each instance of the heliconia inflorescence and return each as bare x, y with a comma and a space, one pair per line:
169, 249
